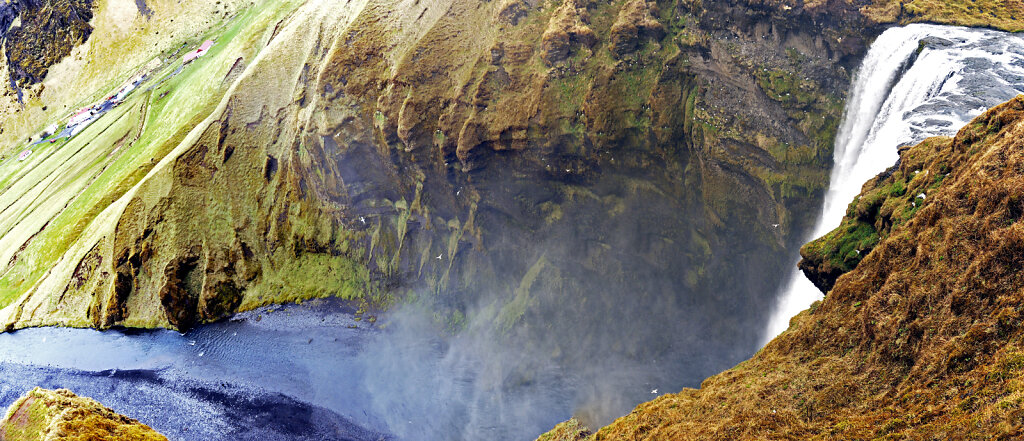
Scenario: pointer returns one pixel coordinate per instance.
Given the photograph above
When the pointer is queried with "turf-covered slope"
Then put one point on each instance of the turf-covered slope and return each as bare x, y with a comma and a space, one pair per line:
1007, 15
922, 340
63, 207
888, 200
60, 415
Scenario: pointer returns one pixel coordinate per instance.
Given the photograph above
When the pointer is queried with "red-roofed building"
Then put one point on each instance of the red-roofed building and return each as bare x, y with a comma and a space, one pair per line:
81, 116
191, 56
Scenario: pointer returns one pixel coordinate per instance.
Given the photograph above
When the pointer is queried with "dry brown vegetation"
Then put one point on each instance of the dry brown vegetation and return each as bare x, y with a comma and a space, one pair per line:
890, 199
1007, 15
923, 340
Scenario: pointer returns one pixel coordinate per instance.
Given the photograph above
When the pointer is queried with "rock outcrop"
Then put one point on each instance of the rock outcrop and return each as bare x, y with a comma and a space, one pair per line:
60, 415
888, 200
48, 32
923, 339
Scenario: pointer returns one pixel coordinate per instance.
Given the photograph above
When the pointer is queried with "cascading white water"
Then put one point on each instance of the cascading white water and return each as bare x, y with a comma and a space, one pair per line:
916, 82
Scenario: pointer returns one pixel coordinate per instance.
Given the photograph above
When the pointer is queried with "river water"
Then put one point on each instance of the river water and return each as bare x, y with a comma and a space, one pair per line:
299, 372
279, 373
916, 82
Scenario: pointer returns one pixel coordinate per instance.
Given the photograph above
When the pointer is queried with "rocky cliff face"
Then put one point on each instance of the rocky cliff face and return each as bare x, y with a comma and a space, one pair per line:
60, 415
575, 150
36, 35
921, 340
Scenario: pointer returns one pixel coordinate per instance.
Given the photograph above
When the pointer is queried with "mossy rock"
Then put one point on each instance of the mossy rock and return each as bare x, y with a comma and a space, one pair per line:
889, 200
60, 415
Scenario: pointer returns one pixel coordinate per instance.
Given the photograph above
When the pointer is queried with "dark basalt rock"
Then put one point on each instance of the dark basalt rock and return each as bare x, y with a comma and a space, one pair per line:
48, 33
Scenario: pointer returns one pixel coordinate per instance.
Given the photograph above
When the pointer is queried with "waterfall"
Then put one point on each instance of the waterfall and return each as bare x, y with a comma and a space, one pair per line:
916, 82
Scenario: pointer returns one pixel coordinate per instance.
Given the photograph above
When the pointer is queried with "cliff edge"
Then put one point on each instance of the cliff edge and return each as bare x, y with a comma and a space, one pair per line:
923, 339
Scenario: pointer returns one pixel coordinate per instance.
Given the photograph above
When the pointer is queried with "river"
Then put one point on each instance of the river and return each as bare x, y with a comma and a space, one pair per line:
278, 373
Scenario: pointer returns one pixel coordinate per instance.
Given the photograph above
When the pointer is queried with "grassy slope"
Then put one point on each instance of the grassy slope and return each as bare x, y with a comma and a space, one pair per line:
922, 340
55, 196
884, 203
1007, 15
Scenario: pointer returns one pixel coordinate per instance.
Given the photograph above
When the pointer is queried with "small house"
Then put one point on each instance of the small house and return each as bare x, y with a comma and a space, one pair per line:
193, 55
81, 116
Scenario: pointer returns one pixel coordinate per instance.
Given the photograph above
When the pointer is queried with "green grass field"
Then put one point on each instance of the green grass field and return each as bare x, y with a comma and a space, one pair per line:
48, 201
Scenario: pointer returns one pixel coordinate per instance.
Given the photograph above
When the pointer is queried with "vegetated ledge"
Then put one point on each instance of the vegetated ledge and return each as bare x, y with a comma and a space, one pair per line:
922, 340
60, 415
890, 199
1002, 15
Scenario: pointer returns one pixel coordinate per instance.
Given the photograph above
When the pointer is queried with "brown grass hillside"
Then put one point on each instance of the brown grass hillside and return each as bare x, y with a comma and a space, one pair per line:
1000, 14
922, 340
